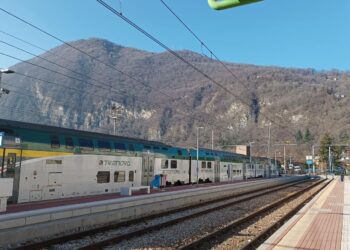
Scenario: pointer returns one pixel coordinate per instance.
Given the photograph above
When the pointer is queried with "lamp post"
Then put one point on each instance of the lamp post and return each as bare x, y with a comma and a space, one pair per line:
115, 115
197, 168
3, 90
329, 161
250, 157
275, 162
313, 159
268, 152
284, 153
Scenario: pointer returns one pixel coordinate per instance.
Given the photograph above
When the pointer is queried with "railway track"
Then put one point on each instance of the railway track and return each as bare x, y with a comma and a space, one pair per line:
114, 234
239, 234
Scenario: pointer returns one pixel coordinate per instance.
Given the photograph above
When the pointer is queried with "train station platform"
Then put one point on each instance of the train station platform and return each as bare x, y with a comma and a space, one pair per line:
43, 222
324, 223
30, 206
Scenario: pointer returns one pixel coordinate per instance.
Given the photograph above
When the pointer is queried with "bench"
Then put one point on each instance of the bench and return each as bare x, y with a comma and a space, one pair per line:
128, 190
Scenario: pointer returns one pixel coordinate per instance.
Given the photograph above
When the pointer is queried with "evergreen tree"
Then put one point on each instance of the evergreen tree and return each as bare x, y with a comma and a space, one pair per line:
307, 136
299, 137
327, 143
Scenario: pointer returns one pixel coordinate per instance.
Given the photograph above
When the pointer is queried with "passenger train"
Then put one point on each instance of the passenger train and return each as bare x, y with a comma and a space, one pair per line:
49, 162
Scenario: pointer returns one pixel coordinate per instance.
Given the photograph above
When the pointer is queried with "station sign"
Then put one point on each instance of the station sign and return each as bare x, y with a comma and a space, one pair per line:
2, 136
309, 160
18, 140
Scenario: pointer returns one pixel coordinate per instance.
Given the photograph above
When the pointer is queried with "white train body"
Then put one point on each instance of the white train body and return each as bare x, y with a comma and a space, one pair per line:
77, 175
52, 163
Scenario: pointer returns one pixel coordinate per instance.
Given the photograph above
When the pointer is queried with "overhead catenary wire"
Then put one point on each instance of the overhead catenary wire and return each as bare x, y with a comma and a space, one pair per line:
56, 64
36, 46
164, 46
57, 72
71, 77
33, 64
151, 37
203, 44
92, 57
85, 53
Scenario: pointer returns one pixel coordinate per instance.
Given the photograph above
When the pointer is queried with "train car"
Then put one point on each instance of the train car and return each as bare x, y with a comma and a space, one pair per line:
174, 164
50, 163
216, 166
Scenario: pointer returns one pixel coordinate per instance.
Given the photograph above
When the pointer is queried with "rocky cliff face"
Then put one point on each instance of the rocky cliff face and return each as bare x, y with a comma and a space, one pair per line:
158, 97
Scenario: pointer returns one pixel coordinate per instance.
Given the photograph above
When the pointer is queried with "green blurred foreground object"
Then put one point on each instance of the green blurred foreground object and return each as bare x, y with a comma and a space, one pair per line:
225, 4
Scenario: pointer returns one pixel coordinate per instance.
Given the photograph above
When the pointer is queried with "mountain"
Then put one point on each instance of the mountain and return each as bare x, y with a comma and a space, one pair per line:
159, 97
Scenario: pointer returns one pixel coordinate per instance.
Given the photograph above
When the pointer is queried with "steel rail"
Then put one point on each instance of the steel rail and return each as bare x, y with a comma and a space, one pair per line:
119, 238
80, 235
204, 241
269, 230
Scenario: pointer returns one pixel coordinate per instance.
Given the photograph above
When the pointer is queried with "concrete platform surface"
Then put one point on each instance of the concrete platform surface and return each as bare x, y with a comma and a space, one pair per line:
324, 223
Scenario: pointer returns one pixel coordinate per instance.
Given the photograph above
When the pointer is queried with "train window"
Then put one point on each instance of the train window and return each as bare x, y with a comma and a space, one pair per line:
179, 152
104, 146
206, 153
173, 164
131, 176
165, 149
147, 147
55, 142
86, 144
131, 147
119, 176
69, 143
156, 148
119, 146
103, 177
165, 164
209, 164
204, 164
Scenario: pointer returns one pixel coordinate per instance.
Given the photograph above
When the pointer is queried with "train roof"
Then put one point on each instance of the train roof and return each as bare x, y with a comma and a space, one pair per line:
53, 129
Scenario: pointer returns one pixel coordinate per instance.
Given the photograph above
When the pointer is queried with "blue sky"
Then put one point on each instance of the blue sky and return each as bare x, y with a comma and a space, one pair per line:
289, 33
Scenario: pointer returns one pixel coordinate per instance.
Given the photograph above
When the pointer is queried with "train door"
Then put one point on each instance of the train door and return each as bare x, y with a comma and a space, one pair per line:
244, 171
229, 172
8, 164
217, 171
147, 169
11, 165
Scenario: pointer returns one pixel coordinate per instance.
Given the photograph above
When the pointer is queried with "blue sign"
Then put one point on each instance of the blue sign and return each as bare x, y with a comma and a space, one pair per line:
2, 136
309, 162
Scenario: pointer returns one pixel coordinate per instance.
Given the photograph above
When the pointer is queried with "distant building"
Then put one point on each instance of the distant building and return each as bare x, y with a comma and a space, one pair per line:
241, 149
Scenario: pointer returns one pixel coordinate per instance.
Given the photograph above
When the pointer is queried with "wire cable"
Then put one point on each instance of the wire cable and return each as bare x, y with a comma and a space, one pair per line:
56, 64
200, 41
151, 37
92, 57
112, 67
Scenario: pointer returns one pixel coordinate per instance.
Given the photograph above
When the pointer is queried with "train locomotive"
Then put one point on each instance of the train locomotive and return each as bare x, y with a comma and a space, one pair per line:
49, 162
